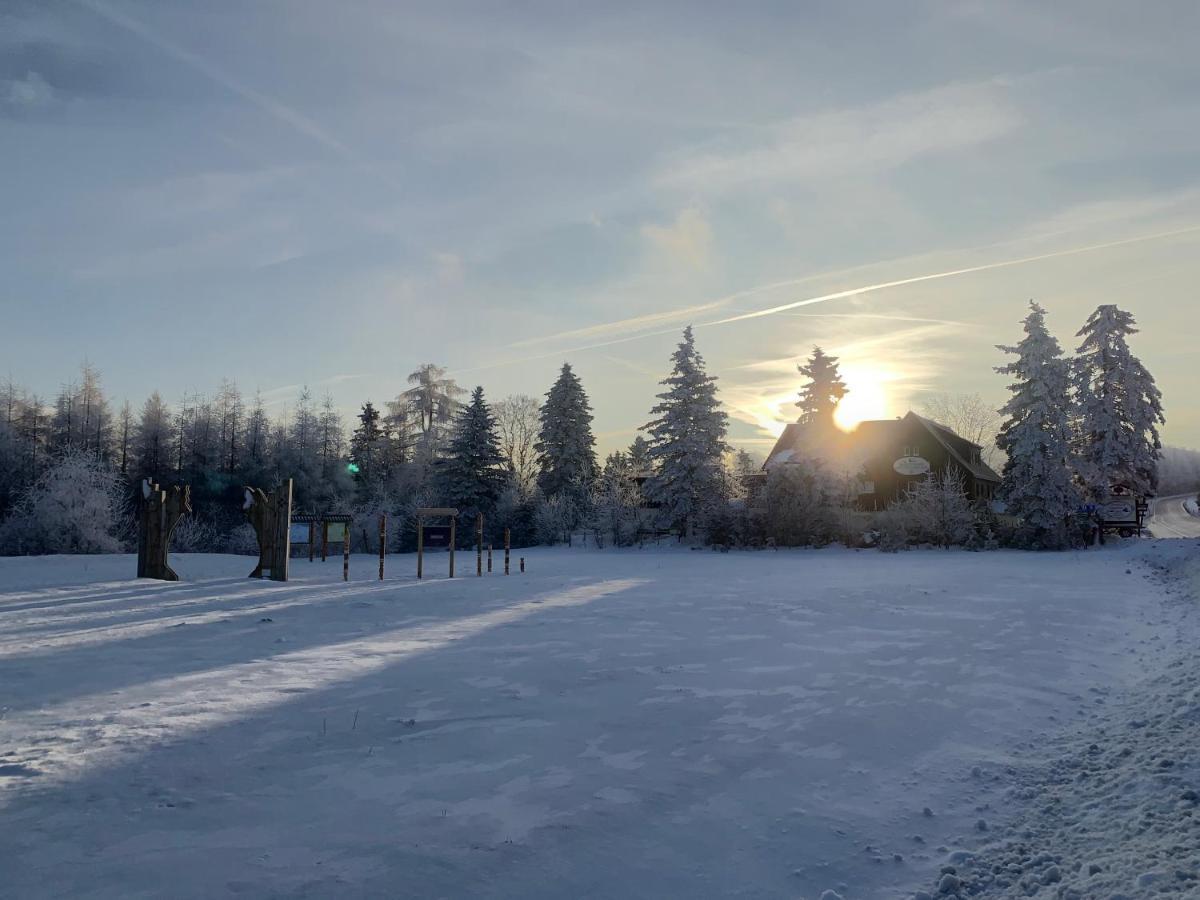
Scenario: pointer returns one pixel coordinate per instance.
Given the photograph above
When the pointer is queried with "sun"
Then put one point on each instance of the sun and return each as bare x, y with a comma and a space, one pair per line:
866, 399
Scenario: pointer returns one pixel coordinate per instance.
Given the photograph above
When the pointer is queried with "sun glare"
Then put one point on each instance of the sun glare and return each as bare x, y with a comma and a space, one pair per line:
866, 399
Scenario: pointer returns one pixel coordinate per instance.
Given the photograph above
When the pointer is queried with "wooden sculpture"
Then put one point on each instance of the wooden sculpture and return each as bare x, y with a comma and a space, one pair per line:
271, 516
159, 514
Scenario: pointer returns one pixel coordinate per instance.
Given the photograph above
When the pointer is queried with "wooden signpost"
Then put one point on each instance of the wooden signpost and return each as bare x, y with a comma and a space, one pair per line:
159, 514
271, 517
434, 512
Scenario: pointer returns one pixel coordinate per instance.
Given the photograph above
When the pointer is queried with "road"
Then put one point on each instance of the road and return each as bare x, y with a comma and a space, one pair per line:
1171, 520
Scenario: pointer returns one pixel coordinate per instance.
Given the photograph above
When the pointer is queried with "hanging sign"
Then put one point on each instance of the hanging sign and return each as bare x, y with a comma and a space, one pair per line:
911, 465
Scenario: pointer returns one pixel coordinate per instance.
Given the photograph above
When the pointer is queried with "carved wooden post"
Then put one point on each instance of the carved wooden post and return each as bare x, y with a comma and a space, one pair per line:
160, 513
453, 530
271, 517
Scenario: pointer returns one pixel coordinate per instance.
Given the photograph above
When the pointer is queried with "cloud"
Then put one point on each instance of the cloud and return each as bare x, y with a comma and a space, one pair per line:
29, 92
871, 138
688, 239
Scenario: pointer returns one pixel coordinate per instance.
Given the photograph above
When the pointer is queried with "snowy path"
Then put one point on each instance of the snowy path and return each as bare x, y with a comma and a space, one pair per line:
1172, 520
638, 724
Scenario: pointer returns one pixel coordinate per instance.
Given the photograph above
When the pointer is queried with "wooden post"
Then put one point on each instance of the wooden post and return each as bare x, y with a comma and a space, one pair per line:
453, 532
312, 540
507, 547
271, 517
420, 545
324, 540
522, 565
382, 541
489, 559
346, 552
479, 544
159, 514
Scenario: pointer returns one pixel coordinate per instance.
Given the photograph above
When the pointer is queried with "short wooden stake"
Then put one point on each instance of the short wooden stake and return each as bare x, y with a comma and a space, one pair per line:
489, 559
522, 565
346, 552
507, 547
382, 541
324, 540
479, 544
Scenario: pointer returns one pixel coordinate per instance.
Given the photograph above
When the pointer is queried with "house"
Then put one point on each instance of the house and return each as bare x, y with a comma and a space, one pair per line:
887, 456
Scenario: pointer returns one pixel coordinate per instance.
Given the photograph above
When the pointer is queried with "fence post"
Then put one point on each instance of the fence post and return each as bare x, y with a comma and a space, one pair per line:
382, 541
453, 537
312, 540
420, 546
489, 559
507, 547
478, 544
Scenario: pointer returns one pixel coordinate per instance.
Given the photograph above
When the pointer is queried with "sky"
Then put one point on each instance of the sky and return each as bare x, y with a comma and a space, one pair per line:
294, 192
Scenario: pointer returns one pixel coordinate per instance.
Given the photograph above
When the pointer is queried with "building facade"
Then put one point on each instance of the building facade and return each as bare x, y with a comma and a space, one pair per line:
887, 456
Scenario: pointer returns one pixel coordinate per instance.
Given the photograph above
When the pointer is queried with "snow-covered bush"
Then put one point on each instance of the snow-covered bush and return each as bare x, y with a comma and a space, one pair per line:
242, 541
797, 503
935, 511
75, 506
195, 535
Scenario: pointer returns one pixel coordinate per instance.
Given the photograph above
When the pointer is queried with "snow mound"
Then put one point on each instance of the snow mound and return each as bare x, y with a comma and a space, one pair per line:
1114, 810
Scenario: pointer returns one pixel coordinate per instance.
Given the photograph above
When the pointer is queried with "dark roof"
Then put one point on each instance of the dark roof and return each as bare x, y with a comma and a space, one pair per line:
831, 443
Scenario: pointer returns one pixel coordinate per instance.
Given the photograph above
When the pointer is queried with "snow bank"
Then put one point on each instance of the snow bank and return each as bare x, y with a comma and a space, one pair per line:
1192, 507
1113, 810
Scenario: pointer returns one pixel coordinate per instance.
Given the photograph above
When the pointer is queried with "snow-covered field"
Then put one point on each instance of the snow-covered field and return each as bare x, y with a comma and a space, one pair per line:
632, 724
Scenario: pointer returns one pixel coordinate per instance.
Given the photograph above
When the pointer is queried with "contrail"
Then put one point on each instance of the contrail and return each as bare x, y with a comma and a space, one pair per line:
295, 120
837, 295
1002, 264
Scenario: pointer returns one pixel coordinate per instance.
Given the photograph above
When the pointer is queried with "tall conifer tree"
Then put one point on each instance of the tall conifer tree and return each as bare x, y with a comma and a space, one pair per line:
565, 447
687, 439
1119, 409
825, 389
1036, 435
471, 474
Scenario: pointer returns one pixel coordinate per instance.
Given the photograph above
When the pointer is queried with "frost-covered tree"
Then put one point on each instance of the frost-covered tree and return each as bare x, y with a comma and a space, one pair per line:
518, 421
797, 504
1119, 408
565, 447
368, 450
75, 506
471, 473
1037, 485
639, 456
825, 389
687, 439
428, 408
152, 439
615, 502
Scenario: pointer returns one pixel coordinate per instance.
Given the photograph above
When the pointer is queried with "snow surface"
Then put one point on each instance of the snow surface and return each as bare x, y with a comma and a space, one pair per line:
613, 723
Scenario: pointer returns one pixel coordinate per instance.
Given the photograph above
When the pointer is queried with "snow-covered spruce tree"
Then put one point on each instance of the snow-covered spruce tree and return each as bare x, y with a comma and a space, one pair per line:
687, 440
1037, 485
825, 389
367, 450
565, 447
1119, 409
471, 473
74, 506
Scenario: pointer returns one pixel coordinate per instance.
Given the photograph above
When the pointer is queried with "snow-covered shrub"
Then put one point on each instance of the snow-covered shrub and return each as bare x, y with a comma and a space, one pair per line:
241, 540
615, 503
935, 511
75, 506
797, 504
195, 535
726, 522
